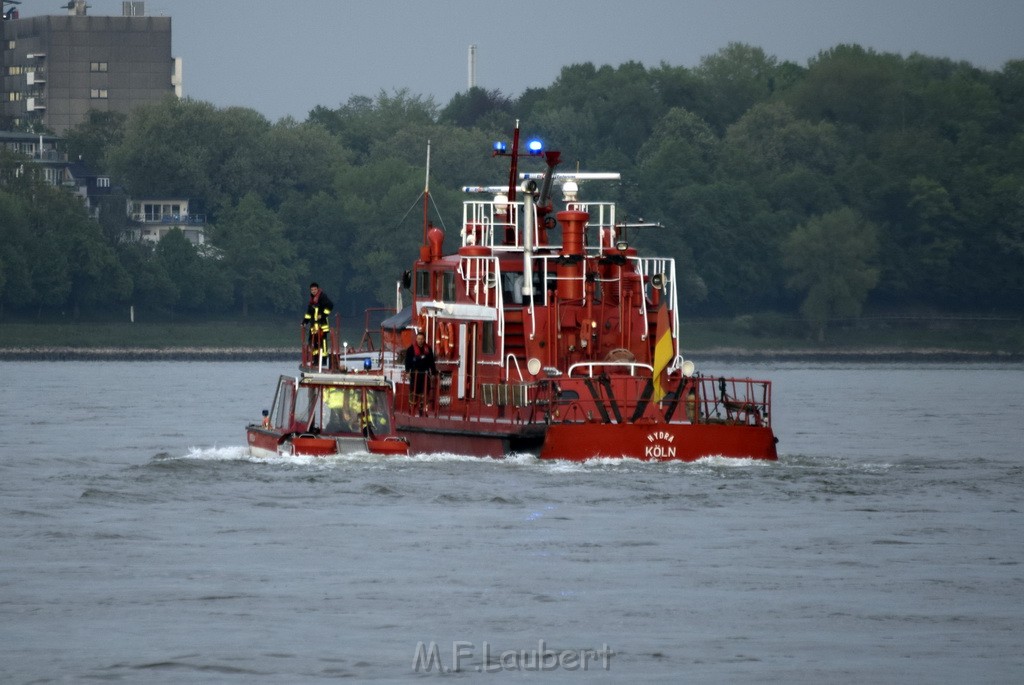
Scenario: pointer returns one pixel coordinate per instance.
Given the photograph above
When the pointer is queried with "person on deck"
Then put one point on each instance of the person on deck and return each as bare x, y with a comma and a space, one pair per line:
318, 320
419, 364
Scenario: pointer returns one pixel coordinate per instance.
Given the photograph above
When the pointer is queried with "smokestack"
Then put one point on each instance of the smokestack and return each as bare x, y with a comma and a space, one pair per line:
472, 67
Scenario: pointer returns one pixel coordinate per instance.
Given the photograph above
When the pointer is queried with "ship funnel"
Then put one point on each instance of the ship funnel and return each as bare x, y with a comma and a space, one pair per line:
570, 266
435, 239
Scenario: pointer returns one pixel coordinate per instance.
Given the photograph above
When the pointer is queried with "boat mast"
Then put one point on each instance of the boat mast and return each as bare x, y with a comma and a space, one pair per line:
426, 194
514, 170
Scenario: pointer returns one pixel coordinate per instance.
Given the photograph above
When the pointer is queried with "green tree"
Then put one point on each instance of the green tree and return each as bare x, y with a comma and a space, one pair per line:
189, 149
468, 109
54, 257
262, 265
677, 87
735, 79
790, 161
830, 260
197, 280
164, 151
682, 149
86, 269
728, 228
16, 287
296, 160
90, 140
154, 292
850, 85
599, 116
362, 121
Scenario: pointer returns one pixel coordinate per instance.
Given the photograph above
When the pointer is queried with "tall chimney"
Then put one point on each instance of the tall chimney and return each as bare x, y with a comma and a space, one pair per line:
472, 67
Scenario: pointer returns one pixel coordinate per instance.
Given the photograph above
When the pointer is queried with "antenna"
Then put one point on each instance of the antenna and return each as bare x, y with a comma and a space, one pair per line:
472, 67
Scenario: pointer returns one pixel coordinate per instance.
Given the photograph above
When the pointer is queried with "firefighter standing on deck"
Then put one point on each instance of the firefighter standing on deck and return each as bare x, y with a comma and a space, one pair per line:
419, 365
317, 318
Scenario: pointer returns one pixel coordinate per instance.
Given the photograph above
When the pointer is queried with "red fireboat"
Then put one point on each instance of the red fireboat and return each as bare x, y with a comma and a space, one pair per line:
552, 337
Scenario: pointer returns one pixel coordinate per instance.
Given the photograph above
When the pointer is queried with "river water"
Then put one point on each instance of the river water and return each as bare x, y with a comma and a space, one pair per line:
139, 543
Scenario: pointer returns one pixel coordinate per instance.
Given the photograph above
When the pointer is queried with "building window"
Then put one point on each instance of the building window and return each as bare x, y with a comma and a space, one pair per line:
98, 93
97, 66
167, 213
102, 182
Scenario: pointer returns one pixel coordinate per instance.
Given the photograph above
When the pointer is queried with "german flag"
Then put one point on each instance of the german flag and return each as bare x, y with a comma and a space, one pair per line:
663, 350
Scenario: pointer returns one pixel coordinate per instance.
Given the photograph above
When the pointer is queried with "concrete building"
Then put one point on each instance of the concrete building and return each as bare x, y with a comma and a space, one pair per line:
152, 218
57, 68
41, 149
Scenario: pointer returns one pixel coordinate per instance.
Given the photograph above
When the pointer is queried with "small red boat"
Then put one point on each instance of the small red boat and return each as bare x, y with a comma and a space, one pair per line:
552, 336
328, 411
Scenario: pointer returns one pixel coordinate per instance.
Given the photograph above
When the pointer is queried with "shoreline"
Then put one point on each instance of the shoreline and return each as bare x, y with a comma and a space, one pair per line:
289, 354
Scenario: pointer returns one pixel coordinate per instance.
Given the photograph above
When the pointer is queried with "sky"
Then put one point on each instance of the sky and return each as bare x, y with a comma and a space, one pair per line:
284, 58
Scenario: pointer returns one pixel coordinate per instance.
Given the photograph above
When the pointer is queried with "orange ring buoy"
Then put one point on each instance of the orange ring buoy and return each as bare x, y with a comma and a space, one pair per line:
444, 338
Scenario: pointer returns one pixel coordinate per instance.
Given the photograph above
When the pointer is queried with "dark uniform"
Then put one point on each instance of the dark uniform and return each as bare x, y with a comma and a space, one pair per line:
318, 319
419, 363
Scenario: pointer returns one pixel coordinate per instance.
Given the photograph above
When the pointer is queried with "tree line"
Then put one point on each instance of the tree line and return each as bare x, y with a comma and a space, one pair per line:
861, 179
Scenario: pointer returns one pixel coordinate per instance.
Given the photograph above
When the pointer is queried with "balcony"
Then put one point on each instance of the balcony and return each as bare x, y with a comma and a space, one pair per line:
170, 219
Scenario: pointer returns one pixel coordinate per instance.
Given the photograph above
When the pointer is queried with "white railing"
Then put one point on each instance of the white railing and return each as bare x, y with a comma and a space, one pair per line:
485, 223
633, 367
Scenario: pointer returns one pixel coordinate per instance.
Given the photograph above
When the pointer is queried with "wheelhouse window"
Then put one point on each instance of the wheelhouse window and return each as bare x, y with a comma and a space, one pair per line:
422, 284
512, 287
284, 403
487, 335
448, 287
307, 401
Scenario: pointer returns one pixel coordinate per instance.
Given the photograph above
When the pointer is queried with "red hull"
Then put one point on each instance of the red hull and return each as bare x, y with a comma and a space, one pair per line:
688, 442
582, 441
266, 443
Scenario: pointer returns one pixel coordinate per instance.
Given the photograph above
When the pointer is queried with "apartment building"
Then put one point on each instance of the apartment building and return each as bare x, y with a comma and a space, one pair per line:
57, 68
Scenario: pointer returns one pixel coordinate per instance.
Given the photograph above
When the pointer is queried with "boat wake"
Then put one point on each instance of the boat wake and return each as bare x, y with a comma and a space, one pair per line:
240, 453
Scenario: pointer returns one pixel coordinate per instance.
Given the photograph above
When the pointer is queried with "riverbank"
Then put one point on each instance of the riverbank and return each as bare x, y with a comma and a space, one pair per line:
765, 339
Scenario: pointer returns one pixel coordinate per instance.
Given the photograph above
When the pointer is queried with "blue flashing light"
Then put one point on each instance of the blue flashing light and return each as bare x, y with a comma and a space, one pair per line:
367, 363
500, 147
535, 147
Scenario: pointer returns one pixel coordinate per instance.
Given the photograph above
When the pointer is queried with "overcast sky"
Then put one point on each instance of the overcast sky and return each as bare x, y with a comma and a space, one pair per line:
284, 58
